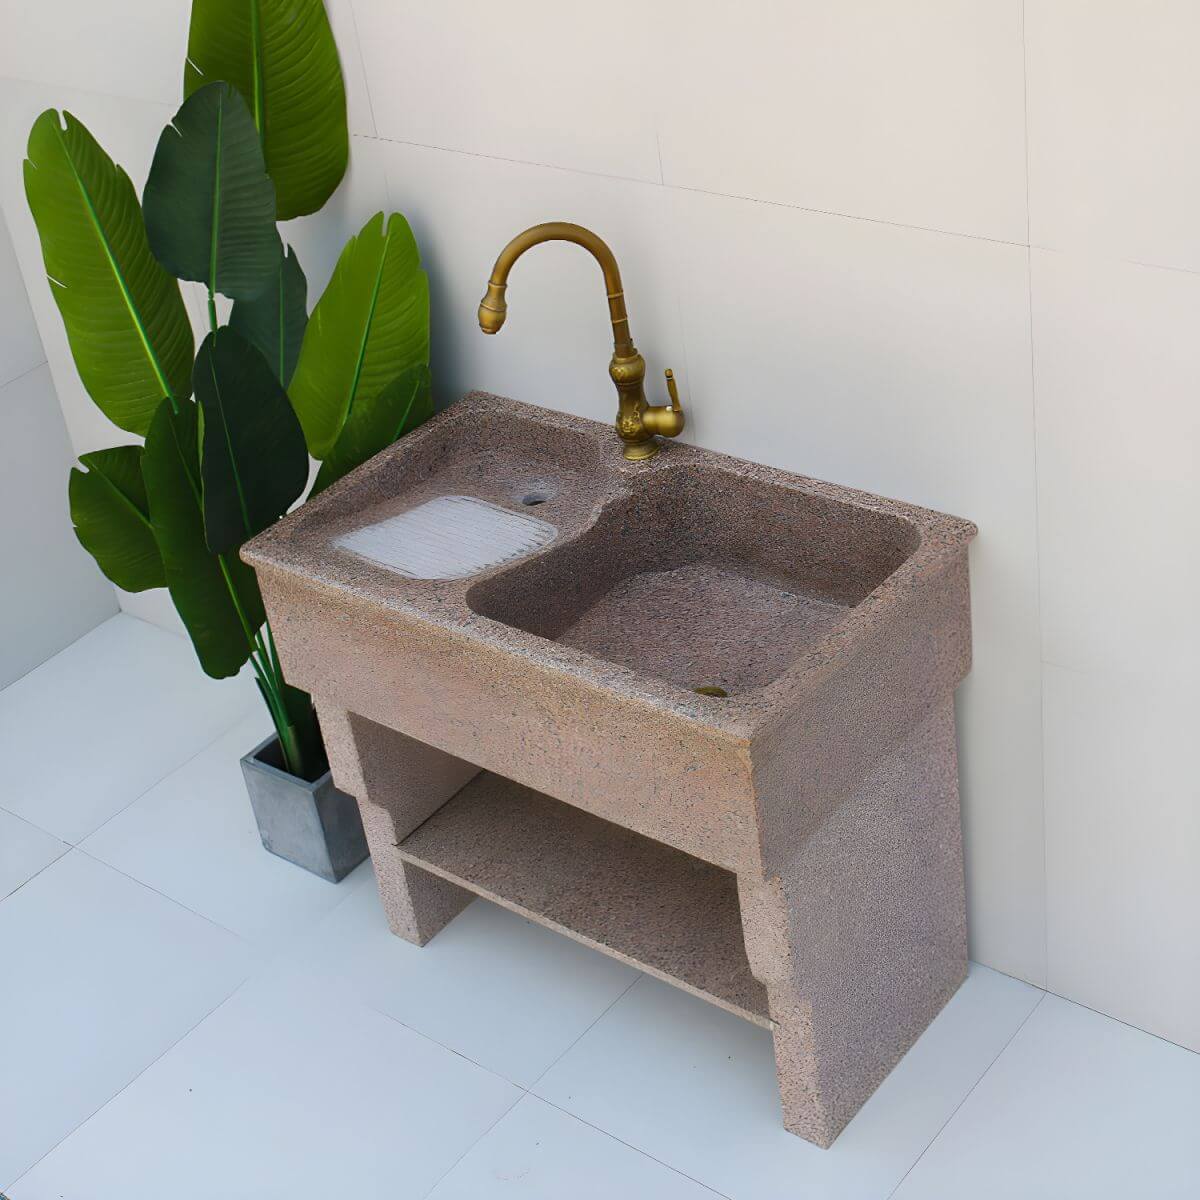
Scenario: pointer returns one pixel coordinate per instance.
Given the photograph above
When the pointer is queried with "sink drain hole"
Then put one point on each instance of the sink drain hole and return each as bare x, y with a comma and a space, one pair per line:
535, 491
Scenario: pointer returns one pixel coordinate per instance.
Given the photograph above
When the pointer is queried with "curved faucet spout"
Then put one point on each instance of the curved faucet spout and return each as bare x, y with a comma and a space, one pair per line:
637, 422
493, 309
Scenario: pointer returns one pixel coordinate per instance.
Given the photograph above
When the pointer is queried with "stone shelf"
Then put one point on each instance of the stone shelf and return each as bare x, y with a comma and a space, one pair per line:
657, 908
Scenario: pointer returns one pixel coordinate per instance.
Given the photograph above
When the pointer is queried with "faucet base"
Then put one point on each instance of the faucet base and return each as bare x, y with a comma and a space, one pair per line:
640, 451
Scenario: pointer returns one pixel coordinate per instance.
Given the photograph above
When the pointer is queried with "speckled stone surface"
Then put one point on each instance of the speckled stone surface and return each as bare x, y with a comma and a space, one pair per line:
826, 783
638, 900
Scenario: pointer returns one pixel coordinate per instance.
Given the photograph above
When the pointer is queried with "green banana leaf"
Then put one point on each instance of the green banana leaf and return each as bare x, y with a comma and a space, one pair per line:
370, 325
376, 423
274, 321
253, 463
216, 595
125, 319
112, 517
209, 202
280, 54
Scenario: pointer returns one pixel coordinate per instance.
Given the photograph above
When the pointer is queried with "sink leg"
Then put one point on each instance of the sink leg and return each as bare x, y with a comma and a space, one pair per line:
398, 783
863, 940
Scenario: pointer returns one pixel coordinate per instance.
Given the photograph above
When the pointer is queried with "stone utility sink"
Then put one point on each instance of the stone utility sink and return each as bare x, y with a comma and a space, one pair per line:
504, 624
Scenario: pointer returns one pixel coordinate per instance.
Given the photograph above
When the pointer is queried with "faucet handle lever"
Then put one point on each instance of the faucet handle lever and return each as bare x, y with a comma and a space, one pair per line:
666, 420
673, 391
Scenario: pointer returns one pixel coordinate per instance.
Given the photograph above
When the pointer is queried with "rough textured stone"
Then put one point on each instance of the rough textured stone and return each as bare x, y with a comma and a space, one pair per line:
826, 782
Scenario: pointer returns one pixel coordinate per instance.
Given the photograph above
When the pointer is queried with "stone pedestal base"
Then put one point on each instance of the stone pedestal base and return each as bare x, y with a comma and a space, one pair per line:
846, 956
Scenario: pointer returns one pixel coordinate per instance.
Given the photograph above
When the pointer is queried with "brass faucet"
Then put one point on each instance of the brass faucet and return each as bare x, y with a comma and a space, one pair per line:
637, 421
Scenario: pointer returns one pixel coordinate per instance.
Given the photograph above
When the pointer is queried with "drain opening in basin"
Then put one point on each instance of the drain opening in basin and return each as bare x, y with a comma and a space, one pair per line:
535, 491
710, 689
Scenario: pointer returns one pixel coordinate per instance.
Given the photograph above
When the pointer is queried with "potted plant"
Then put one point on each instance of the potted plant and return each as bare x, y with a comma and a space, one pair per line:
228, 429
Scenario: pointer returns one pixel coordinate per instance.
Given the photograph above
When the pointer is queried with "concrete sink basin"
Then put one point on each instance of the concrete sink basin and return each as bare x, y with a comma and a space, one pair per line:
697, 574
504, 623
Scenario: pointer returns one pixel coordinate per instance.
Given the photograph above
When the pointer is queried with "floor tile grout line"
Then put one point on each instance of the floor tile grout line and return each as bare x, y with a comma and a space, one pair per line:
130, 1082
45, 867
600, 1017
969, 1093
438, 1181
149, 787
62, 649
161, 779
1099, 1012
41, 828
442, 1045
252, 946
524, 1090
528, 1095
630, 1146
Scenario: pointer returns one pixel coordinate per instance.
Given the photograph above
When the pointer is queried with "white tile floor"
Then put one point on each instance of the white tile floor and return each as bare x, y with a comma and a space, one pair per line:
182, 1015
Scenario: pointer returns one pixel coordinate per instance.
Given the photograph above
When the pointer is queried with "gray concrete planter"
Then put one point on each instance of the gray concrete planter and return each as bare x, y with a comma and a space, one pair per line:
310, 824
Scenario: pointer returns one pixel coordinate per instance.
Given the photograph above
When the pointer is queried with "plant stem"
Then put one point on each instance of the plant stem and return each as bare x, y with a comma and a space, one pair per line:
270, 680
293, 752
271, 685
274, 651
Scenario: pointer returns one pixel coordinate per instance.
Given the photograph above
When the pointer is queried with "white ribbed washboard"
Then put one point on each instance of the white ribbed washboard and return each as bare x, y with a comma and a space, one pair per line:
451, 537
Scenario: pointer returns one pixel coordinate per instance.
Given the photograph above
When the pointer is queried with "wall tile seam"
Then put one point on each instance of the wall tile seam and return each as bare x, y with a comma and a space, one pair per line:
1025, 121
6, 383
1044, 971
520, 162
1117, 675
1098, 256
1044, 906
167, 105
675, 187
362, 66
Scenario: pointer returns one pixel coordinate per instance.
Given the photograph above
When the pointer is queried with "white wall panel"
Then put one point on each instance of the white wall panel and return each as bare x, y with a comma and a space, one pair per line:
51, 592
535, 80
1114, 128
1122, 844
1118, 375
910, 113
